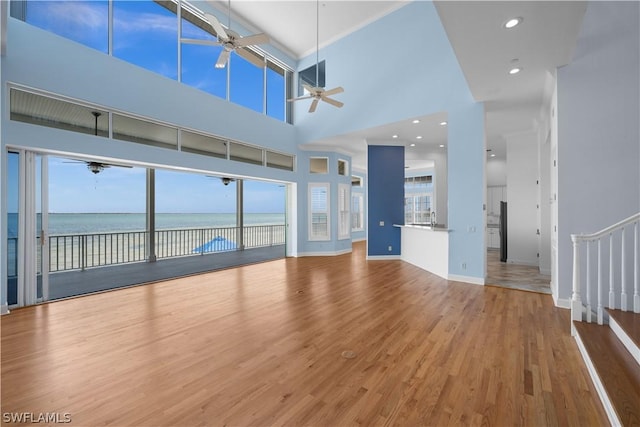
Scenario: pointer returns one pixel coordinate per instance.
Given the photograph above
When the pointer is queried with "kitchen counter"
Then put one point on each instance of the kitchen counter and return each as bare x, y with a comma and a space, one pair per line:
424, 227
426, 247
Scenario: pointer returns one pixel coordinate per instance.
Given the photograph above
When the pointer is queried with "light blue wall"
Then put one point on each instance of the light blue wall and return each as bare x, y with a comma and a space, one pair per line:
466, 145
598, 128
386, 78
332, 178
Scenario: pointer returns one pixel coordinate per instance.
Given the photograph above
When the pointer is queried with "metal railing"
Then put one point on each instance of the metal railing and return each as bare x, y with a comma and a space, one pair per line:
81, 251
618, 243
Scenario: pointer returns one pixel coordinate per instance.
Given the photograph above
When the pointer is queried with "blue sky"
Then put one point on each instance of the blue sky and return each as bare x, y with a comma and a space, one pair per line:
73, 188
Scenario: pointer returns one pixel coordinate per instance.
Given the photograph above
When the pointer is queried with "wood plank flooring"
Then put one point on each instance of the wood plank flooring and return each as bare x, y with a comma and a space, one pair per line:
262, 345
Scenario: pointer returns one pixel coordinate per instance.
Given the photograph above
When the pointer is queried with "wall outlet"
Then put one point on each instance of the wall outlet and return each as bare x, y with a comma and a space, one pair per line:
463, 265
389, 248
381, 223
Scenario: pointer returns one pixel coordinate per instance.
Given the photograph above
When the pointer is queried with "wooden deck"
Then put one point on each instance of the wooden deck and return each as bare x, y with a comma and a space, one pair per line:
268, 344
72, 283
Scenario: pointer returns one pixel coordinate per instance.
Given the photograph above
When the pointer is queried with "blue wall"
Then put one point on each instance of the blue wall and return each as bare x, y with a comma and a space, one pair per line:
385, 199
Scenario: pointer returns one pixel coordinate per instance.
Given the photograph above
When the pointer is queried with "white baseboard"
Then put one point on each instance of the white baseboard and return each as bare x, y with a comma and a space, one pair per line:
382, 257
625, 339
4, 309
466, 279
335, 253
561, 302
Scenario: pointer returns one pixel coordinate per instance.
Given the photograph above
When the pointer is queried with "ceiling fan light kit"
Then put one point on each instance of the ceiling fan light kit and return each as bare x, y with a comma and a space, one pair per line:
318, 93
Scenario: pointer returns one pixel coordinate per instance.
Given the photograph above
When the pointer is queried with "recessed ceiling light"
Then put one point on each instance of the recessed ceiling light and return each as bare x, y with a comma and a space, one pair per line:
394, 136
443, 123
493, 155
515, 70
513, 22
412, 145
441, 145
418, 137
415, 121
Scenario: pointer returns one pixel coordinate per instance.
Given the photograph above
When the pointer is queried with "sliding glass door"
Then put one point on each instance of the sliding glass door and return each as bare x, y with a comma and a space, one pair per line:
27, 223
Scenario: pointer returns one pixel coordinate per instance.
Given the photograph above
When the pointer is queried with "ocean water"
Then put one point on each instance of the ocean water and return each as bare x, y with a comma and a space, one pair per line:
85, 223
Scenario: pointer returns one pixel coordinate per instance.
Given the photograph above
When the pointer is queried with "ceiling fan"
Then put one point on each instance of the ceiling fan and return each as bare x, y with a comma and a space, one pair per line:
318, 93
231, 41
96, 167
225, 180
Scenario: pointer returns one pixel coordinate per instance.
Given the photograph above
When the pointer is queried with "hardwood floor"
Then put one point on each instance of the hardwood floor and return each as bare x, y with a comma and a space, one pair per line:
263, 345
513, 276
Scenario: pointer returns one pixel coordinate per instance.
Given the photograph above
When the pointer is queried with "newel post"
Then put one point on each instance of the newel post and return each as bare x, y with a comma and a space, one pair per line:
576, 301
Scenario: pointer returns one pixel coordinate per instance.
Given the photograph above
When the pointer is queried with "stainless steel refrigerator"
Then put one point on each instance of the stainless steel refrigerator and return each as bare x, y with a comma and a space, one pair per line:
503, 231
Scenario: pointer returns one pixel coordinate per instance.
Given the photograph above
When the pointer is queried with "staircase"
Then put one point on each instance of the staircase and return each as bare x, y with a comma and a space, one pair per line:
612, 355
610, 346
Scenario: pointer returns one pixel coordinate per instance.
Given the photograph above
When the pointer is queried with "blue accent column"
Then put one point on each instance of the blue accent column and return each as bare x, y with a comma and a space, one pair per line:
385, 199
466, 164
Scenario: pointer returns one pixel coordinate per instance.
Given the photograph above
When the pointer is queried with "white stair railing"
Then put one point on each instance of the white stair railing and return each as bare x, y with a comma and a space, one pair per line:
606, 237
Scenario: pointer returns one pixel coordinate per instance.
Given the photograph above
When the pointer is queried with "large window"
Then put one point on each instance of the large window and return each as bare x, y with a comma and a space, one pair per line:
85, 22
145, 33
246, 83
38, 109
357, 212
418, 194
276, 91
198, 60
344, 195
319, 219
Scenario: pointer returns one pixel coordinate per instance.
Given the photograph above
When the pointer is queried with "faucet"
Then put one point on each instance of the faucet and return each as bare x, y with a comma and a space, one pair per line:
433, 218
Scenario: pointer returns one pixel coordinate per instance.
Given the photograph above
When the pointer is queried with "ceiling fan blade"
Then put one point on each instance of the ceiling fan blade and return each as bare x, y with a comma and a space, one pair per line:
217, 27
314, 105
250, 57
252, 40
201, 42
332, 101
222, 59
333, 91
117, 166
299, 98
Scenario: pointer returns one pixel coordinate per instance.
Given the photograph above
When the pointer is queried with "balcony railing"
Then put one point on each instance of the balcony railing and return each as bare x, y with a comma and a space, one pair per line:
81, 251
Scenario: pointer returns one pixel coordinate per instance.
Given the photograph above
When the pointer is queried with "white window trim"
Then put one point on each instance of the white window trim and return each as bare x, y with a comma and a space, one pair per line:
311, 236
344, 206
360, 197
318, 173
346, 167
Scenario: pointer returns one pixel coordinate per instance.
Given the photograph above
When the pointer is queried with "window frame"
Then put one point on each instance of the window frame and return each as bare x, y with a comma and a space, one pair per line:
319, 158
360, 212
311, 235
344, 211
